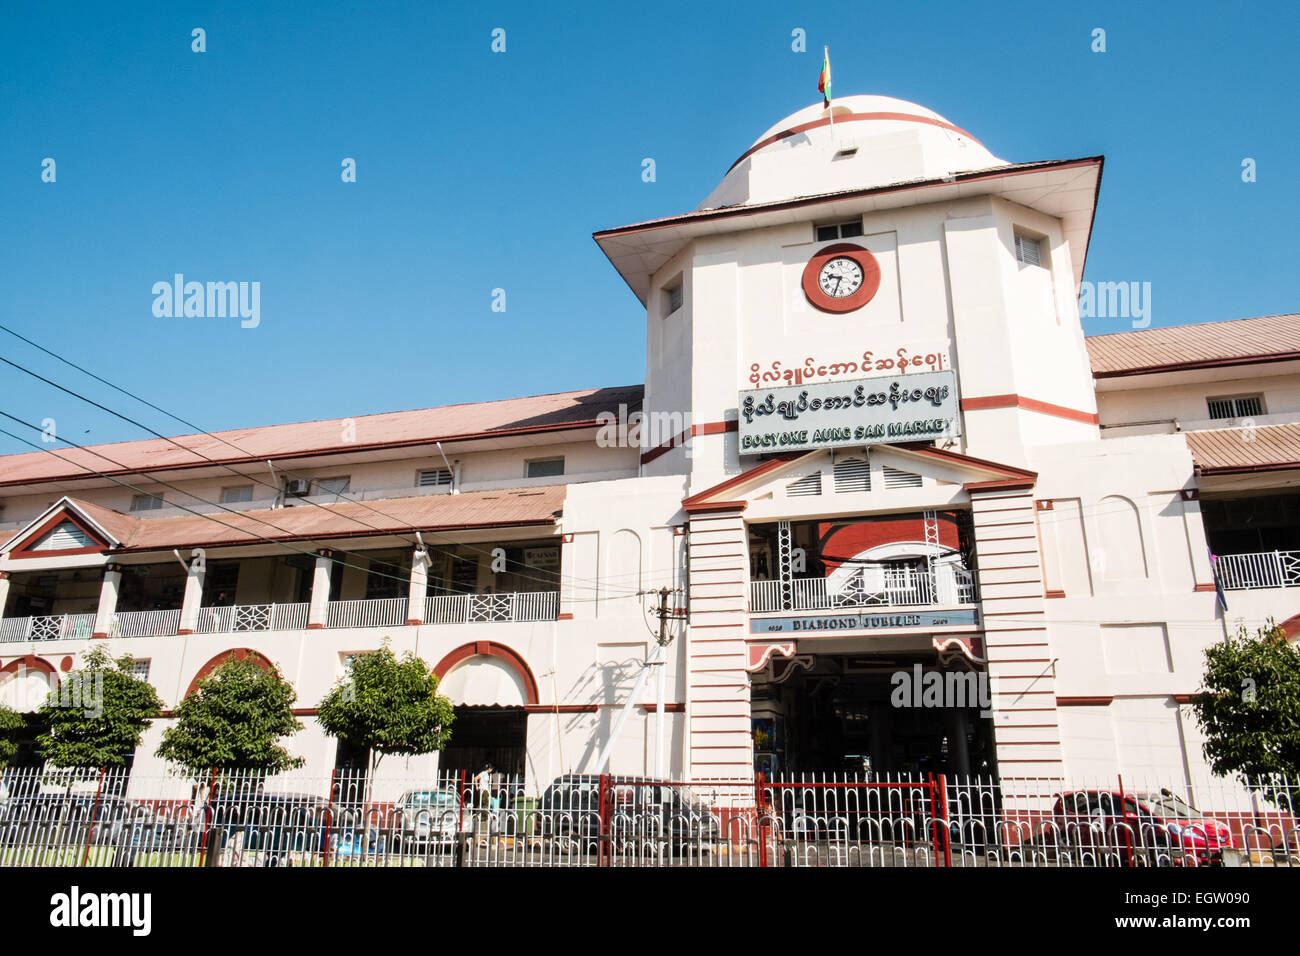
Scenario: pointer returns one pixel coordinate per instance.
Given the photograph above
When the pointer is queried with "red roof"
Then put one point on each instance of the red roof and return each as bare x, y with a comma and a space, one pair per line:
447, 423
1269, 338
443, 512
1228, 450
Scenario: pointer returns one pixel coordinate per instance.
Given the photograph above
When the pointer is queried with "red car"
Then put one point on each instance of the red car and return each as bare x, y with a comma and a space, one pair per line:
1152, 828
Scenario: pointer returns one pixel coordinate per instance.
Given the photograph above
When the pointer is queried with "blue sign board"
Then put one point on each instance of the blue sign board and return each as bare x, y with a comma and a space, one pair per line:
824, 624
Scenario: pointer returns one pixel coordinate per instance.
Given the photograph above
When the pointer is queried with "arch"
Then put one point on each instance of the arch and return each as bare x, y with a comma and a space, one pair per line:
623, 559
507, 655
17, 669
239, 653
1291, 627
1123, 551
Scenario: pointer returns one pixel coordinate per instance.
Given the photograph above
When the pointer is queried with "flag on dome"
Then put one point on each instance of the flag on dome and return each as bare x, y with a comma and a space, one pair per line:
824, 81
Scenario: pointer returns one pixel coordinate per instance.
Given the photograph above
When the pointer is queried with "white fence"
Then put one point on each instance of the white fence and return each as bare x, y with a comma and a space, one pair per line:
886, 587
377, 612
251, 617
476, 608
146, 623
47, 627
231, 818
1264, 569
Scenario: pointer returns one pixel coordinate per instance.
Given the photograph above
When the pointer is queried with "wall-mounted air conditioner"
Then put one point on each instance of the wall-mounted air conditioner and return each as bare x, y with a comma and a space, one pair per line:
297, 487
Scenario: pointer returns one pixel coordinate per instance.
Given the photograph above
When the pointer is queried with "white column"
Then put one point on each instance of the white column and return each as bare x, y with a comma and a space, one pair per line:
107, 600
193, 599
320, 589
4, 592
419, 585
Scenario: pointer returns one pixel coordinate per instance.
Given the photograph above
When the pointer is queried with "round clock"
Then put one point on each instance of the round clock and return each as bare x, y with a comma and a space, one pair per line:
841, 278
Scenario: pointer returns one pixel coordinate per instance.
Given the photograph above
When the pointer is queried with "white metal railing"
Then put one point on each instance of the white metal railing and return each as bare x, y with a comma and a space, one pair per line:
47, 627
146, 623
1263, 569
251, 617
483, 608
376, 612
882, 587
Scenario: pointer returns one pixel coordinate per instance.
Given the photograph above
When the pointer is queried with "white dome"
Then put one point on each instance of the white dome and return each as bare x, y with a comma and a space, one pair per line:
874, 141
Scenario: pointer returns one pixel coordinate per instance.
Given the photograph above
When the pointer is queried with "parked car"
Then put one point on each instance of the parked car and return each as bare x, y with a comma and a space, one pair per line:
67, 819
270, 824
1201, 839
421, 817
1117, 828
635, 808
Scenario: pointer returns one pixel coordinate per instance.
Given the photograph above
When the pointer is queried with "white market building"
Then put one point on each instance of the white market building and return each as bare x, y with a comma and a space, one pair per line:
1031, 505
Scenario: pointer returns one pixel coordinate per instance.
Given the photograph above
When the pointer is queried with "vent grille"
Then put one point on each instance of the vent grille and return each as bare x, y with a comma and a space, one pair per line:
894, 478
1247, 406
64, 537
1028, 251
433, 478
805, 487
852, 474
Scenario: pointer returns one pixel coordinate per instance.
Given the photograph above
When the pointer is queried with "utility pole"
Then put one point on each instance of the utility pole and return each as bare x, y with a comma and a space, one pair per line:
658, 659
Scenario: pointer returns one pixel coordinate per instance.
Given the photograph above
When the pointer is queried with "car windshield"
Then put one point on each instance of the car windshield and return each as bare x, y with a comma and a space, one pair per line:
1169, 806
430, 797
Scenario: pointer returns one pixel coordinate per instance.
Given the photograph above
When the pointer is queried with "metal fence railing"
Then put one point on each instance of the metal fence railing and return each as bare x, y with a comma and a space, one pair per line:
146, 623
53, 818
487, 608
867, 588
47, 627
251, 617
1264, 569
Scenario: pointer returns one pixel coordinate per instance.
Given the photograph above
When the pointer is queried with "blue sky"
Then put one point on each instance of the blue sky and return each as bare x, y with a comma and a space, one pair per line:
479, 170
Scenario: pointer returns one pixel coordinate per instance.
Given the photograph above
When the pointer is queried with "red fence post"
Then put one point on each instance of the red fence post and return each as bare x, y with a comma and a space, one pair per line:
947, 835
1123, 816
94, 815
760, 825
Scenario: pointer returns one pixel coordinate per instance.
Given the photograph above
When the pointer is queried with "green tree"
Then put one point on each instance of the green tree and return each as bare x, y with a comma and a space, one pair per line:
234, 721
388, 705
10, 725
1248, 707
97, 716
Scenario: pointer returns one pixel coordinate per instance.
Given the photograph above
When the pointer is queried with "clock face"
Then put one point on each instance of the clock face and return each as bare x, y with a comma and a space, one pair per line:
840, 277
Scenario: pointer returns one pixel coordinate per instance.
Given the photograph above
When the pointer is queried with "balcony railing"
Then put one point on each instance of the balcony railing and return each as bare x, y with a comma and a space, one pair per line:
914, 588
476, 608
47, 627
146, 623
1264, 569
251, 617
377, 612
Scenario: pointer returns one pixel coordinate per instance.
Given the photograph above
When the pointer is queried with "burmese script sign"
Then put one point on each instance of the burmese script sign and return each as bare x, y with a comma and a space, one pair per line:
813, 625
872, 411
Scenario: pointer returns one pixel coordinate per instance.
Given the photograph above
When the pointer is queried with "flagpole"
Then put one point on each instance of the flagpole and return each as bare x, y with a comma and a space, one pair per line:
830, 105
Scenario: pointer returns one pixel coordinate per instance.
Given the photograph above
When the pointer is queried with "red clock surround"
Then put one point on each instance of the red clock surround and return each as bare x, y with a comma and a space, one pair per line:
870, 278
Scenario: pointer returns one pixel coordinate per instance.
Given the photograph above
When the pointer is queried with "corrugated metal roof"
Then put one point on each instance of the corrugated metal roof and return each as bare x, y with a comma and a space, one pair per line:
475, 509
1269, 337
1233, 449
336, 435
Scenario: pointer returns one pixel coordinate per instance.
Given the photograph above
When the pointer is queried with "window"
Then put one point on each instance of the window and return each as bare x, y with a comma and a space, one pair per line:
1029, 250
146, 502
1242, 406
65, 536
236, 494
545, 468
896, 478
839, 230
805, 487
673, 298
333, 486
852, 474
433, 478
139, 668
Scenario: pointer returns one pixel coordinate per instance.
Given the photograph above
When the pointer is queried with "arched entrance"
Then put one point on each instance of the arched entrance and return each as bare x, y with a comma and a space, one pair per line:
491, 688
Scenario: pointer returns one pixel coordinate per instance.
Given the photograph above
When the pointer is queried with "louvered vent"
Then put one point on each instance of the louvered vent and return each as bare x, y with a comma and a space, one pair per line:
805, 487
901, 479
1028, 251
64, 537
852, 474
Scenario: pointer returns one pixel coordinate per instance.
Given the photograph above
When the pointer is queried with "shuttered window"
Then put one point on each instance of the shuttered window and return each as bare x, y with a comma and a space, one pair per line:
805, 487
1028, 250
852, 474
894, 478
1245, 406
433, 478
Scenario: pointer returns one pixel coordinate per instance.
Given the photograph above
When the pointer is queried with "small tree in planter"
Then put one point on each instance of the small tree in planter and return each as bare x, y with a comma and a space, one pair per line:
234, 721
1249, 709
388, 705
96, 717
10, 725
